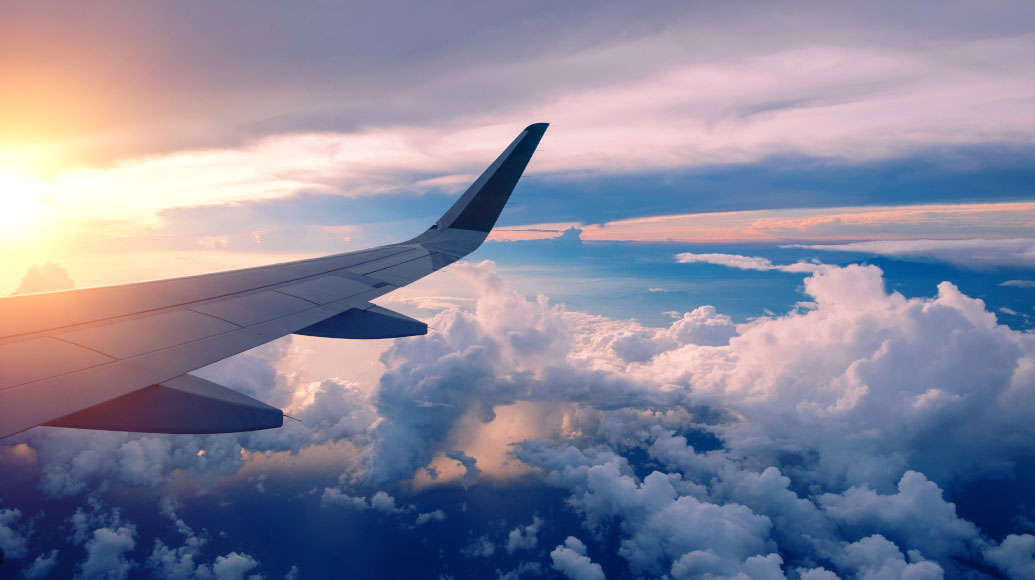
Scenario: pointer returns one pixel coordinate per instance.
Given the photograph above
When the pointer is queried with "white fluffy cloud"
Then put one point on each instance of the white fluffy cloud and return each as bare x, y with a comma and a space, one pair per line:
12, 537
106, 551
570, 559
524, 537
810, 444
1015, 556
233, 566
428, 517
851, 399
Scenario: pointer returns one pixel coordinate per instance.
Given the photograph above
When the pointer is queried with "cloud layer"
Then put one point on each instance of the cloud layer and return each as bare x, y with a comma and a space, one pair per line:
821, 442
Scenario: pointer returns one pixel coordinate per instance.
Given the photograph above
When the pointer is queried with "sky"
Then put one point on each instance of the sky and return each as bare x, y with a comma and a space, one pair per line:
762, 306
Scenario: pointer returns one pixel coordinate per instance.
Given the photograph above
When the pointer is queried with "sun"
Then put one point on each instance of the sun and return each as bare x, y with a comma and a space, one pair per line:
21, 203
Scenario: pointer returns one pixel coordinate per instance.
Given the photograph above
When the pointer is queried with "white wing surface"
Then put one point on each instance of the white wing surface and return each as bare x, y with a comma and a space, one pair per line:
117, 357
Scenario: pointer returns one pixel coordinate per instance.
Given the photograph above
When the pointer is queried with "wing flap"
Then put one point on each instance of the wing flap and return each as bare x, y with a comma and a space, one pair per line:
369, 323
186, 404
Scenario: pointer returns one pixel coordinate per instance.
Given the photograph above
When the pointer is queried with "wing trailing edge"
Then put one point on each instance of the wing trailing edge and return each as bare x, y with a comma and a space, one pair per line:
369, 323
186, 404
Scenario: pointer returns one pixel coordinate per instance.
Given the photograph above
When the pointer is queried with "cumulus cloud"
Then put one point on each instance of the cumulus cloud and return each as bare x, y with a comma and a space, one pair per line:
702, 326
976, 253
233, 566
427, 517
509, 349
876, 557
383, 502
45, 278
524, 537
570, 559
824, 441
12, 538
1015, 556
916, 516
179, 563
106, 553
831, 423
42, 566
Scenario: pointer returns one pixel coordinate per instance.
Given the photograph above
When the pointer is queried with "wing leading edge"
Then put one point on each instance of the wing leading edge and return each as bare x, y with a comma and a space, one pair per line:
117, 357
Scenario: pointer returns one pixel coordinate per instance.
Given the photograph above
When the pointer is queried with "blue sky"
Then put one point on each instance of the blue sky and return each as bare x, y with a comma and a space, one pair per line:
762, 306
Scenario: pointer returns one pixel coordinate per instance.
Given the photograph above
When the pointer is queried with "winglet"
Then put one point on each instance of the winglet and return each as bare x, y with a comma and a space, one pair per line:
480, 206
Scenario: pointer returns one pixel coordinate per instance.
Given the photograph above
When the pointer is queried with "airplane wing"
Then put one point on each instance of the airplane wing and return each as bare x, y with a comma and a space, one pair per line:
117, 357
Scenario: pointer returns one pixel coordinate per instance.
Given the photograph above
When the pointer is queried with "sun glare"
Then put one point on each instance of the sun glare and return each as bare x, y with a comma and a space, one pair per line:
20, 205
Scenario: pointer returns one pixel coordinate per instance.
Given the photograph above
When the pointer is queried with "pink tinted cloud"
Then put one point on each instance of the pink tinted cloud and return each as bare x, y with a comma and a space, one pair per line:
930, 221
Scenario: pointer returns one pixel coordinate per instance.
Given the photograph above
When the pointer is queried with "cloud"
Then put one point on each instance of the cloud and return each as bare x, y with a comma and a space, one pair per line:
510, 349
876, 557
847, 399
333, 497
1015, 556
382, 501
796, 223
185, 562
748, 263
1019, 283
524, 537
570, 559
45, 278
471, 471
690, 107
12, 541
533, 569
481, 547
617, 76
106, 553
427, 517
42, 566
233, 566
975, 253
179, 563
916, 516
829, 440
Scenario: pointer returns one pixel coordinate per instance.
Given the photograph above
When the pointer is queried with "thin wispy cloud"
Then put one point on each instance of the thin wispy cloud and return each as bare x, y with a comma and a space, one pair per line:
974, 253
823, 224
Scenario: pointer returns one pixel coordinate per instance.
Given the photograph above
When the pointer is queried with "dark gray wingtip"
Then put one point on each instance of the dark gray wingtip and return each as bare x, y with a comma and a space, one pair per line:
480, 206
